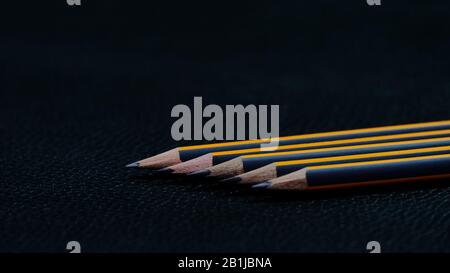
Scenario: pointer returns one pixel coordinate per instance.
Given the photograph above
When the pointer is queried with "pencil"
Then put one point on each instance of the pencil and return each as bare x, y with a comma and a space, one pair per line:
278, 169
211, 159
184, 153
251, 162
359, 174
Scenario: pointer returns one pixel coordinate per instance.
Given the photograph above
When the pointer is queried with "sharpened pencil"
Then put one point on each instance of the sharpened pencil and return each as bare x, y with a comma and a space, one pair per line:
185, 153
278, 169
211, 159
251, 162
359, 174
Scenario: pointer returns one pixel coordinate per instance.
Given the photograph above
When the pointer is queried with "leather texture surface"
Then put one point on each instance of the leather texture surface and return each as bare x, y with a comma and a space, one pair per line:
84, 92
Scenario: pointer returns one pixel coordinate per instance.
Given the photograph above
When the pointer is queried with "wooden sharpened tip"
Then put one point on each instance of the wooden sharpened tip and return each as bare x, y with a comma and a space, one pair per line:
162, 160
227, 169
294, 181
193, 165
261, 174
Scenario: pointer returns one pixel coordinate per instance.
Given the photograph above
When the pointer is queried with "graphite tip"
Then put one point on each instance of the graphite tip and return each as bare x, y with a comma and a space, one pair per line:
164, 171
262, 185
133, 165
200, 173
231, 180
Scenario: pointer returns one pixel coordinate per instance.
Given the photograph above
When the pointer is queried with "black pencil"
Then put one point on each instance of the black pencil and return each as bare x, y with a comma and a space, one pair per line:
278, 169
215, 158
181, 154
363, 174
248, 163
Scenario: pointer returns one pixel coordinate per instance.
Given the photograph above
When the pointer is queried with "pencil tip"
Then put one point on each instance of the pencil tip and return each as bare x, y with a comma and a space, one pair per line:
164, 171
133, 165
200, 173
231, 180
262, 185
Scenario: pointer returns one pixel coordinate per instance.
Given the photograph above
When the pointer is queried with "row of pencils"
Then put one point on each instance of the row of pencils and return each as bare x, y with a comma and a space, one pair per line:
319, 161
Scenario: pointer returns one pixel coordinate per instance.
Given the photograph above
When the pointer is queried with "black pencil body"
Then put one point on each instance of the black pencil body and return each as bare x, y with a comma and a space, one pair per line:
378, 171
260, 161
222, 158
193, 153
286, 169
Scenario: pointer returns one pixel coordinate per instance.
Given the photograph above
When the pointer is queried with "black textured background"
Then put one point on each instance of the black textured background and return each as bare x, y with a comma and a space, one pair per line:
85, 90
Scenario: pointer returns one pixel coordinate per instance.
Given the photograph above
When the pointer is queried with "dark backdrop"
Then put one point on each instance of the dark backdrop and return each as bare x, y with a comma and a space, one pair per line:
85, 90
